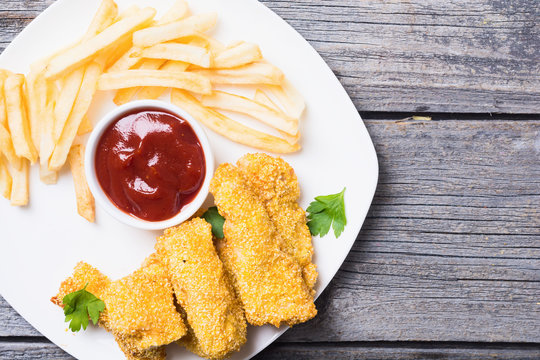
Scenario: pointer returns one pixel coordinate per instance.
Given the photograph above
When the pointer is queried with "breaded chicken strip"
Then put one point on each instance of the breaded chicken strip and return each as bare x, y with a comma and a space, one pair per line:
97, 284
139, 309
268, 280
275, 183
215, 317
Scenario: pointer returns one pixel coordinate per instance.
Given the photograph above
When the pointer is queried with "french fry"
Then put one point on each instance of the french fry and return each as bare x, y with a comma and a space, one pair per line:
123, 96
262, 98
85, 200
19, 126
104, 17
126, 61
85, 51
80, 108
132, 78
230, 128
256, 73
175, 66
241, 54
6, 146
114, 52
153, 92
47, 138
66, 98
130, 11
178, 52
85, 127
19, 188
203, 40
291, 100
162, 33
177, 11
3, 115
36, 92
5, 180
225, 101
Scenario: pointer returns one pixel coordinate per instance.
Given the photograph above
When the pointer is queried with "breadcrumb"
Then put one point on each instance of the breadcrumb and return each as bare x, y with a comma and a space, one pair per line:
276, 184
268, 280
139, 308
214, 314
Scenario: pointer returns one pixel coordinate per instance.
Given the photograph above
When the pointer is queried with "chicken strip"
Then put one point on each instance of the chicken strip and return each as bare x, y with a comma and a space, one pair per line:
139, 309
215, 317
97, 284
268, 280
275, 183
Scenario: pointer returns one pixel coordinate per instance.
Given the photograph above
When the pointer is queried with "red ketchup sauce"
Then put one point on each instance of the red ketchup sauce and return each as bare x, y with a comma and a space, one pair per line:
150, 164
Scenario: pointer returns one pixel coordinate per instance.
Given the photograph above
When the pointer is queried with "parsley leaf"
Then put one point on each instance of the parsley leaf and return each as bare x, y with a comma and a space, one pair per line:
326, 211
213, 217
80, 304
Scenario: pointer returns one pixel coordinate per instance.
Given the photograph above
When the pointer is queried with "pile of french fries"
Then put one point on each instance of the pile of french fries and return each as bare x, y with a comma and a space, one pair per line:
43, 116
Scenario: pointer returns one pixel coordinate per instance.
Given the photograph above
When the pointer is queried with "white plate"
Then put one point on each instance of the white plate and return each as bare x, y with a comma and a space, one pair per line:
41, 243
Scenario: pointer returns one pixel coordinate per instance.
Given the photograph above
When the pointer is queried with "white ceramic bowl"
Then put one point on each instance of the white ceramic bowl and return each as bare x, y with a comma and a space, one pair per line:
103, 200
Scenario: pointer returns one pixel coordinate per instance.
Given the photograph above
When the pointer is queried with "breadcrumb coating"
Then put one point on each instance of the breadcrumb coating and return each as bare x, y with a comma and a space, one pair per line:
276, 184
132, 353
139, 309
214, 314
83, 274
268, 280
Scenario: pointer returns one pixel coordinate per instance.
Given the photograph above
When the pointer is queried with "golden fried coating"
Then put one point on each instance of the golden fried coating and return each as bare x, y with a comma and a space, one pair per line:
132, 353
268, 280
83, 274
141, 308
215, 317
275, 183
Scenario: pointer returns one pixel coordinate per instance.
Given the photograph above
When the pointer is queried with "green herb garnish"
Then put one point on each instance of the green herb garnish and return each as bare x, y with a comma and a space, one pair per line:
79, 305
326, 211
213, 217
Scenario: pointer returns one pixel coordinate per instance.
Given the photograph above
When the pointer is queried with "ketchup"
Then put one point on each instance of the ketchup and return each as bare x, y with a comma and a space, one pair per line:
150, 164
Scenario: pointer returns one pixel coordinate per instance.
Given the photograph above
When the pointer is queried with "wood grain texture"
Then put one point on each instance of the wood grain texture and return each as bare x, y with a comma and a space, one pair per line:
31, 351
368, 351
421, 55
451, 247
412, 55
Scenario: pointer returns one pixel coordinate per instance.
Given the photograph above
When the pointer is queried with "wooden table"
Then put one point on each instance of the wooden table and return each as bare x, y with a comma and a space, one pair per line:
447, 264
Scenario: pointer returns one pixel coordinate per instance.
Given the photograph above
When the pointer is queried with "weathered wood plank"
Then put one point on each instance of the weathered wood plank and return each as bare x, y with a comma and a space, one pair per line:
420, 55
13, 324
31, 351
451, 247
414, 55
395, 352
45, 350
